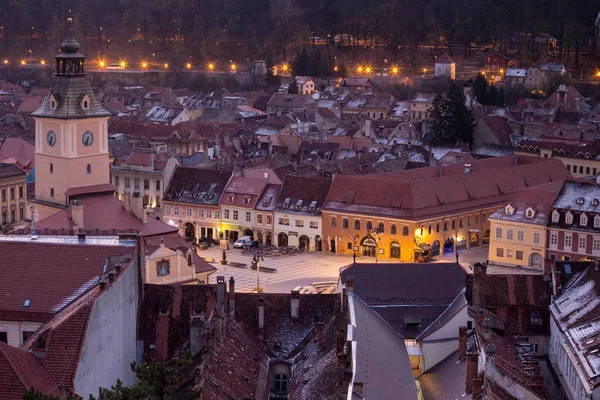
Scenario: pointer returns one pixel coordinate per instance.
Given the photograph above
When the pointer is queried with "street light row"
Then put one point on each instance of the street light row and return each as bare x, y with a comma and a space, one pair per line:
145, 65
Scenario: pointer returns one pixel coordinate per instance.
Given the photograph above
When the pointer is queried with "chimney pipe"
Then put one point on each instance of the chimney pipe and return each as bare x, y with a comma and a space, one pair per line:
231, 297
295, 304
472, 366
462, 342
487, 328
77, 213
261, 313
320, 333
220, 290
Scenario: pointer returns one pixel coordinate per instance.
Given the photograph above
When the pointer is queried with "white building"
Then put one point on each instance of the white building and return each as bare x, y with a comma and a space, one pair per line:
575, 335
445, 66
297, 216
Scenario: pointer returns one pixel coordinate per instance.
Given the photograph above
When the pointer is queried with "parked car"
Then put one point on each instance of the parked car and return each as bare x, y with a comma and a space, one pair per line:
241, 242
251, 245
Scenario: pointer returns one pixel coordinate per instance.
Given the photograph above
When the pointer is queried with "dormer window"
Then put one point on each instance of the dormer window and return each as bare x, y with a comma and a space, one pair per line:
583, 220
231, 197
53, 102
555, 216
313, 205
580, 200
246, 200
286, 203
298, 204
568, 218
85, 103
597, 221
529, 213
594, 202
509, 210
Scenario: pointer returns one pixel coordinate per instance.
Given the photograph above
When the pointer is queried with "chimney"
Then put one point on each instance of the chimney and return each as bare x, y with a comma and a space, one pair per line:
231, 297
144, 216
295, 304
102, 285
432, 160
467, 168
462, 342
320, 333
487, 328
472, 366
479, 285
77, 213
261, 313
220, 290
266, 175
197, 324
81, 236
490, 361
350, 284
368, 128
477, 387
137, 205
126, 201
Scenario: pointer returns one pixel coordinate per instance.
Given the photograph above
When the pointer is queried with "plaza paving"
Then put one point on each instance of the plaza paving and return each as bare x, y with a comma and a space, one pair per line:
305, 268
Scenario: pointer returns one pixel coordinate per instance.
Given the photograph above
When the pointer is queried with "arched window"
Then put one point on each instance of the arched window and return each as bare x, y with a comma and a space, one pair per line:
405, 231
51, 168
88, 168
345, 223
380, 228
369, 225
460, 224
85, 104
393, 229
445, 226
429, 230
357, 225
437, 227
453, 224
333, 222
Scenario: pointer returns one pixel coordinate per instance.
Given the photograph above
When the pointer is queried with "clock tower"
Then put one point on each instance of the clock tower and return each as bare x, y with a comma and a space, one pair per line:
71, 136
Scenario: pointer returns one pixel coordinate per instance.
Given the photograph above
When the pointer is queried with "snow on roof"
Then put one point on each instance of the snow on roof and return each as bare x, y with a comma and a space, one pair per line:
516, 72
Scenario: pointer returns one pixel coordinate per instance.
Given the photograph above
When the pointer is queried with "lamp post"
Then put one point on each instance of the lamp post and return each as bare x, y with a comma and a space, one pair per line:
378, 235
256, 262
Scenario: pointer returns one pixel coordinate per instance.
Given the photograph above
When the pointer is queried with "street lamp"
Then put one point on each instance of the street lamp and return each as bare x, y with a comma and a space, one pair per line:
211, 66
256, 263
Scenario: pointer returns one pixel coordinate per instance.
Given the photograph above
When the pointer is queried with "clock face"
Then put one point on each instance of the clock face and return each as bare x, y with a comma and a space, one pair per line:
87, 139
51, 138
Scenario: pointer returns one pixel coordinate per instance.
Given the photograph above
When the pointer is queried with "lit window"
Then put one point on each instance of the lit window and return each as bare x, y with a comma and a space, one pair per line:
259, 218
284, 221
269, 219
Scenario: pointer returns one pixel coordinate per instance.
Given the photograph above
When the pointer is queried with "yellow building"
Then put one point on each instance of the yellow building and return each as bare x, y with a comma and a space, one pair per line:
421, 106
518, 230
13, 197
388, 215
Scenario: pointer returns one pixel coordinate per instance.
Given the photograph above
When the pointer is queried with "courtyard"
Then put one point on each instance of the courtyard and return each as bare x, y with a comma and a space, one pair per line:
304, 269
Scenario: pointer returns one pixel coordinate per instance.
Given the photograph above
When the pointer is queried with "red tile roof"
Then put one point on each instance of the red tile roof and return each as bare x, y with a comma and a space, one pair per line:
499, 128
243, 188
49, 276
137, 158
105, 213
100, 188
423, 193
20, 370
175, 241
21, 150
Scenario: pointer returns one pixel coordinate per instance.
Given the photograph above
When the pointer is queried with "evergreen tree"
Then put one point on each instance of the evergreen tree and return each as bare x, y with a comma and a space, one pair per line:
451, 120
480, 89
293, 89
496, 97
271, 79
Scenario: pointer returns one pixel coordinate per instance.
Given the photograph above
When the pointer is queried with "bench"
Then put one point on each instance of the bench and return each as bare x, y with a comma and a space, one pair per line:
237, 264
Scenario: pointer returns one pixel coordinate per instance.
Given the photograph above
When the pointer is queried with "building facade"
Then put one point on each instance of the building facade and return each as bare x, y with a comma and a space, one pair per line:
518, 230
145, 172
444, 208
238, 203
421, 106
192, 202
13, 197
574, 223
297, 215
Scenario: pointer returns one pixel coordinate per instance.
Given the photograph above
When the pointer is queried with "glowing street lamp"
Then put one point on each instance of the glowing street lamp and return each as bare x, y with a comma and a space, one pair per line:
43, 62
598, 74
336, 68
122, 64
188, 65
394, 70
102, 64
360, 69
285, 67
233, 67
5, 62
211, 67
166, 65
23, 62
368, 70
501, 70
144, 65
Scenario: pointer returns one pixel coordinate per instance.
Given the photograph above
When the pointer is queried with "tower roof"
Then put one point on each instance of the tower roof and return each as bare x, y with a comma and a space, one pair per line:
69, 48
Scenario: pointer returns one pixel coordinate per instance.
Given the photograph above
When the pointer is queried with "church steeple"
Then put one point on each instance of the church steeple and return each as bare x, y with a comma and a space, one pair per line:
70, 61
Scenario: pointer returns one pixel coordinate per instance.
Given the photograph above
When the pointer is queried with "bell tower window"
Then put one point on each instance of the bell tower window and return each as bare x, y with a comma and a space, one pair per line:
88, 168
51, 168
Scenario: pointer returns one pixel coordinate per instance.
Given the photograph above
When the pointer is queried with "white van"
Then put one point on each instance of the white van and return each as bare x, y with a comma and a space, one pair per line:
241, 242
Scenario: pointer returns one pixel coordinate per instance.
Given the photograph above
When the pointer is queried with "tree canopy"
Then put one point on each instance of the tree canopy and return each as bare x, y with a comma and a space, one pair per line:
451, 120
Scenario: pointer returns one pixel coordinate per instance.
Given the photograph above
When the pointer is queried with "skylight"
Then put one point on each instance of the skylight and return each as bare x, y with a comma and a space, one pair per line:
27, 302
